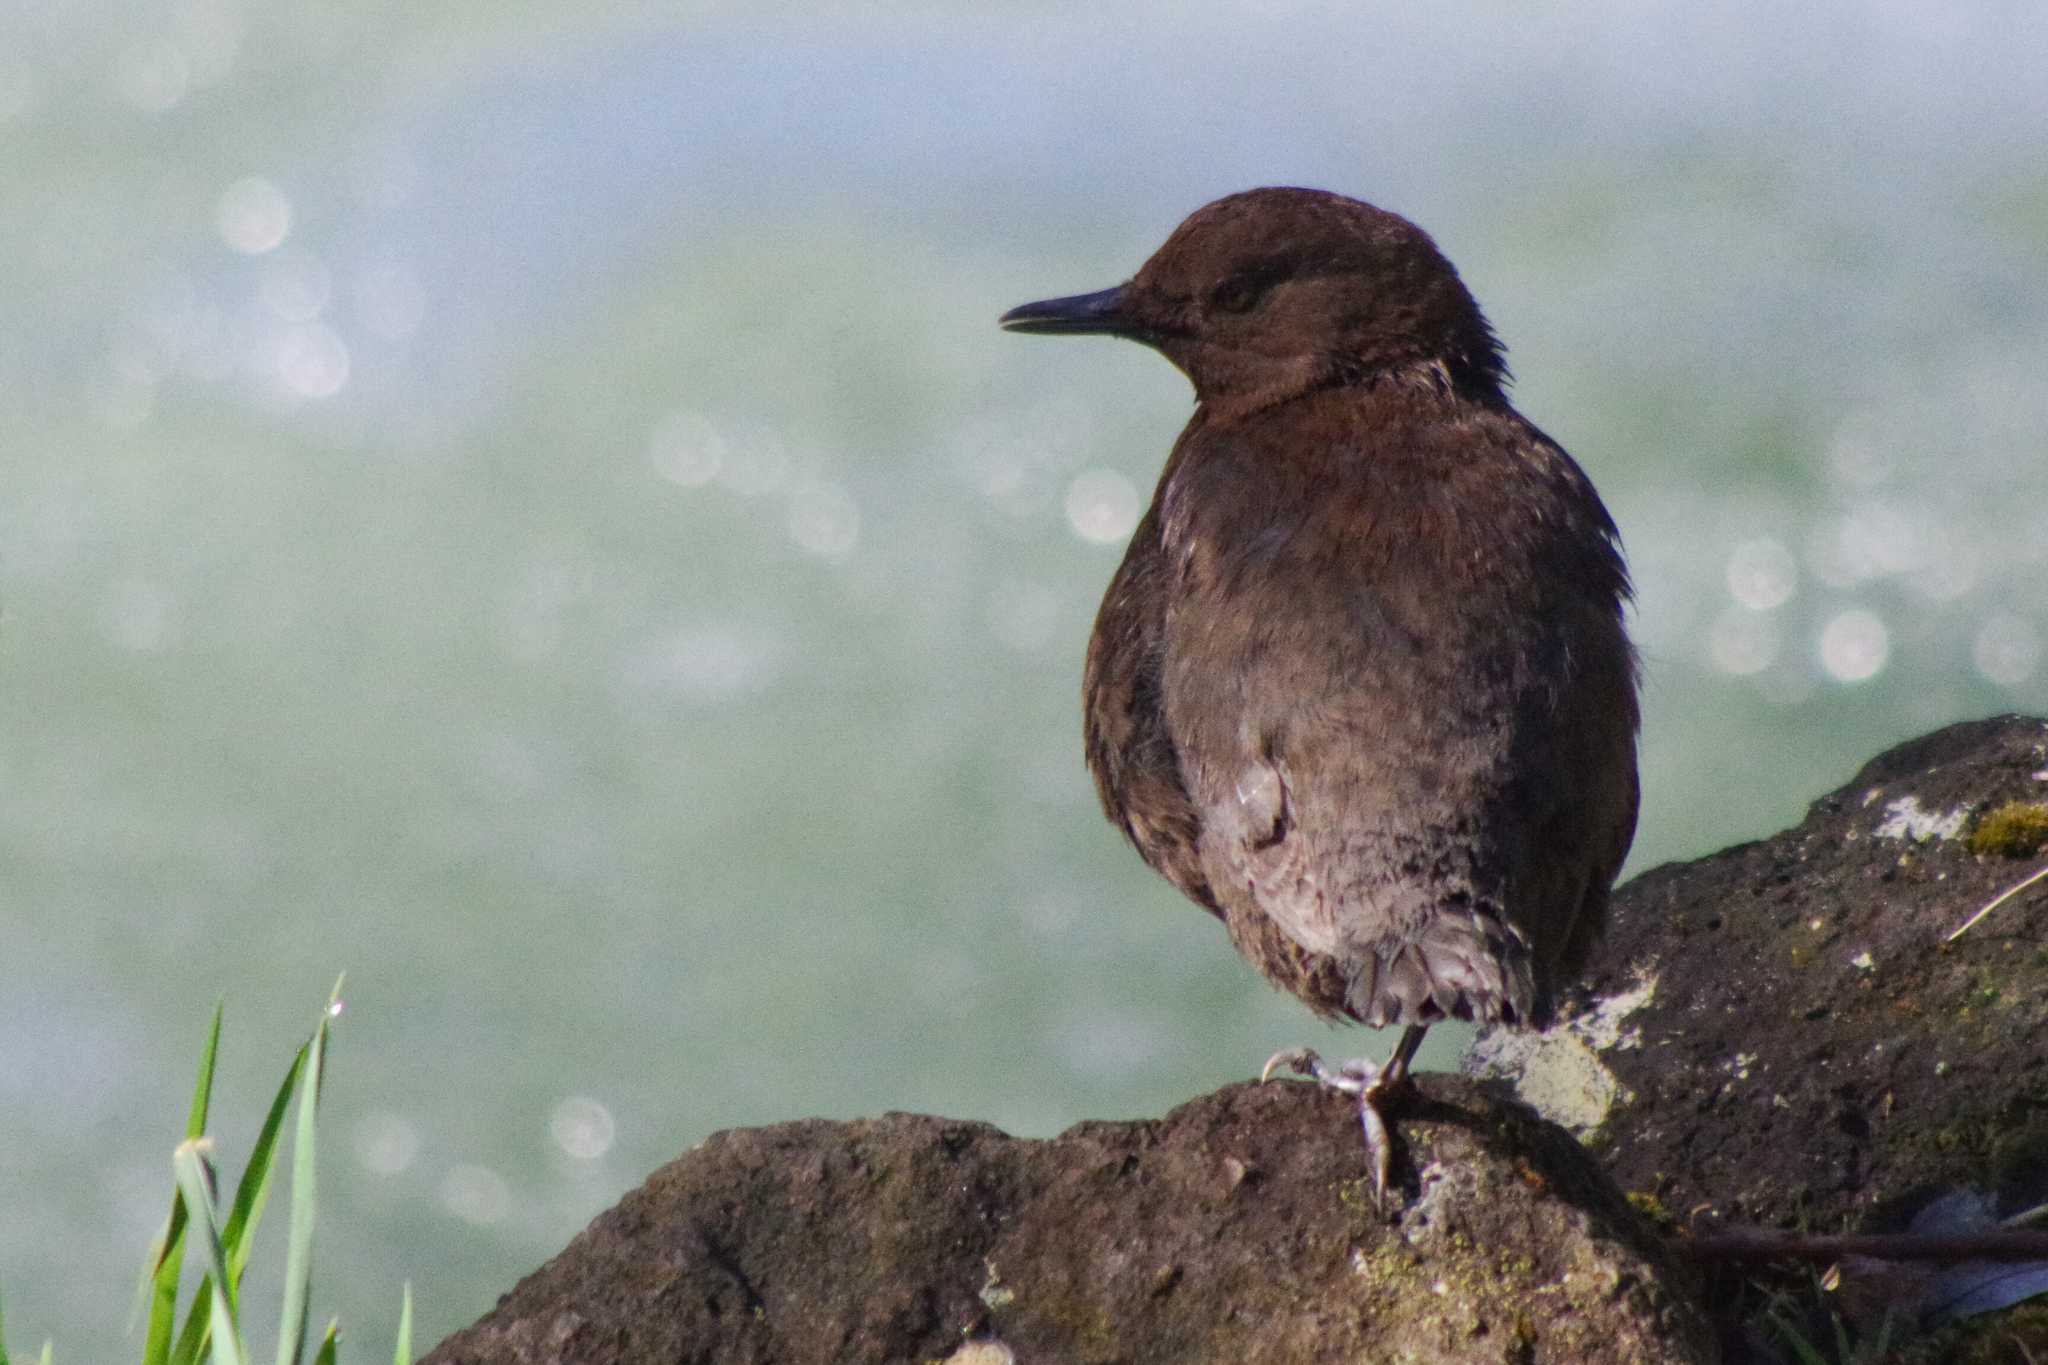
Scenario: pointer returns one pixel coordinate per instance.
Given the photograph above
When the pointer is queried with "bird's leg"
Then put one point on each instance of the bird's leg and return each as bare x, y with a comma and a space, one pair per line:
1394, 1074
1370, 1083
1392, 1078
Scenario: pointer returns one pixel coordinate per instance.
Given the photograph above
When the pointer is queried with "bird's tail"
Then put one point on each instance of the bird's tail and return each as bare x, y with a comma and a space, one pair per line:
1463, 963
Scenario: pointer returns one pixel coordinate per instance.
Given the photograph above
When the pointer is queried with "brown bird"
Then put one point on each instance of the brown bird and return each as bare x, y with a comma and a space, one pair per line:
1361, 688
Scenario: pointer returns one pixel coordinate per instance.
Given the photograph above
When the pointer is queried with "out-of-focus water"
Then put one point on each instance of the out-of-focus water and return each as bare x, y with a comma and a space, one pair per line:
536, 511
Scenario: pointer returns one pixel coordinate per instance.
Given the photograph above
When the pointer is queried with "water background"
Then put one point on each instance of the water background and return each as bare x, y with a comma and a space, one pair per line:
529, 505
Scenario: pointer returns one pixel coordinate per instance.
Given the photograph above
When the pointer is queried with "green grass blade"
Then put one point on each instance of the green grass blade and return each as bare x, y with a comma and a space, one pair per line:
158, 1287
1792, 1338
190, 1164
329, 1343
202, 1093
191, 1347
160, 1280
239, 1237
153, 1265
49, 1354
403, 1354
48, 1349
298, 1264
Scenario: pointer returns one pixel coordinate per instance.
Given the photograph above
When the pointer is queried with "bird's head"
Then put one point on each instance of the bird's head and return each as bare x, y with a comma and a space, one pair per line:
1268, 294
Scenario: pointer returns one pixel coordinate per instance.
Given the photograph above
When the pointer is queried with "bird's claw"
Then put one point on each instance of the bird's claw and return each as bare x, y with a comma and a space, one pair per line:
1361, 1079
1354, 1077
1301, 1061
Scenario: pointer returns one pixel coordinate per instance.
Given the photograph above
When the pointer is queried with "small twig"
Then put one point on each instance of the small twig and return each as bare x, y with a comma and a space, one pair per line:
1892, 1246
2000, 899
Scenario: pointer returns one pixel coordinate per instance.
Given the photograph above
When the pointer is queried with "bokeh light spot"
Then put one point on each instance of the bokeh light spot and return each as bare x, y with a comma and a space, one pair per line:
686, 450
312, 361
1854, 646
254, 216
1102, 506
386, 1143
1742, 642
2007, 650
582, 1127
824, 520
1104, 1043
476, 1194
152, 77
1762, 574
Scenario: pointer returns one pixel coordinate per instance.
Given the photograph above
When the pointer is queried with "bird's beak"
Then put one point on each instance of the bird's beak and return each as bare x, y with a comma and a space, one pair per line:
1102, 311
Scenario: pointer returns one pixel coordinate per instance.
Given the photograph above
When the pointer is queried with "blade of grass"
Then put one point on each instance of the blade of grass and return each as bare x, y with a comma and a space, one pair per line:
190, 1164
3, 1336
159, 1277
403, 1354
253, 1193
238, 1238
2000, 899
160, 1280
1790, 1335
328, 1343
191, 1347
202, 1093
298, 1264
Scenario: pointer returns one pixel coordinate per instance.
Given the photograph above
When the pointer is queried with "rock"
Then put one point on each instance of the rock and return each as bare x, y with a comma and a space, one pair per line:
1779, 1034
1240, 1227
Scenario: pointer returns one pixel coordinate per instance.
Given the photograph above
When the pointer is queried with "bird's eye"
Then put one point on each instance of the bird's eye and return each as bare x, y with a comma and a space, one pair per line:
1242, 291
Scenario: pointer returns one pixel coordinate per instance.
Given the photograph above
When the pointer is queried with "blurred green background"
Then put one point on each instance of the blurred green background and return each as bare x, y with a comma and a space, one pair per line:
528, 504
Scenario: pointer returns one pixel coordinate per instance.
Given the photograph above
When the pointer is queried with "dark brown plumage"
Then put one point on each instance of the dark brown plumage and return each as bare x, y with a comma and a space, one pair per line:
1361, 686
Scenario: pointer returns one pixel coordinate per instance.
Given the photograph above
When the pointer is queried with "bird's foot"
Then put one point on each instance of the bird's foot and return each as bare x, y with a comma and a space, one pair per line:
1369, 1084
1352, 1077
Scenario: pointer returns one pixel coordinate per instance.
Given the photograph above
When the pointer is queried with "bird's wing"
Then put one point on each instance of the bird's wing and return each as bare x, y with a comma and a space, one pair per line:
1130, 754
1372, 719
1409, 903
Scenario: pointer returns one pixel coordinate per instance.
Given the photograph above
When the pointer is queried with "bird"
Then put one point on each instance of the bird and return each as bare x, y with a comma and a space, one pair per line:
1362, 687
